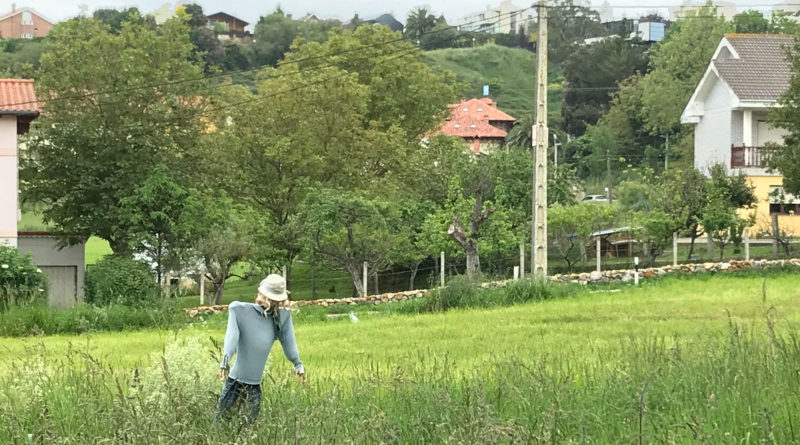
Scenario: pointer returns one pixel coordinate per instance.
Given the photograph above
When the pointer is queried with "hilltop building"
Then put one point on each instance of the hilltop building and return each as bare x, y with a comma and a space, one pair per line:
479, 123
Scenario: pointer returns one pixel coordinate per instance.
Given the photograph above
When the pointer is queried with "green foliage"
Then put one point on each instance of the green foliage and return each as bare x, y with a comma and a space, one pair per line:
507, 71
120, 280
750, 22
418, 23
460, 292
37, 320
647, 108
21, 282
20, 57
114, 136
589, 74
569, 24
570, 228
785, 156
726, 195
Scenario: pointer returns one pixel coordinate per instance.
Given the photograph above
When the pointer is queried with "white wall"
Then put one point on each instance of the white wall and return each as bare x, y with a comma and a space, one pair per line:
9, 207
712, 135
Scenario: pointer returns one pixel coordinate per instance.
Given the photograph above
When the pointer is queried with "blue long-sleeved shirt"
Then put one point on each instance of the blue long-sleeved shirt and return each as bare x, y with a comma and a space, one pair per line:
250, 335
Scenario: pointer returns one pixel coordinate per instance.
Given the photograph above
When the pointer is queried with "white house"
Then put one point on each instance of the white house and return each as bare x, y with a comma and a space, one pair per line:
746, 76
64, 267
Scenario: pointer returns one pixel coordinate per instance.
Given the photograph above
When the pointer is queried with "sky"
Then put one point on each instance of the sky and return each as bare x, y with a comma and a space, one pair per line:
250, 11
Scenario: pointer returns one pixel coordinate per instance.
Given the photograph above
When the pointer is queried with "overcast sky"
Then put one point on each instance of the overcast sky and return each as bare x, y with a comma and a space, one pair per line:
341, 9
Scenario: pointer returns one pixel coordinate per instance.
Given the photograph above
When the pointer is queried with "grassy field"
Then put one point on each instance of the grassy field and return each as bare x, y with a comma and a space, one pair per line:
675, 361
594, 322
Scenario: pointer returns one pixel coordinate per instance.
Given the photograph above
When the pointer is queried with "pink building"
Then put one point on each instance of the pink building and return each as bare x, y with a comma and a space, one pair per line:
23, 23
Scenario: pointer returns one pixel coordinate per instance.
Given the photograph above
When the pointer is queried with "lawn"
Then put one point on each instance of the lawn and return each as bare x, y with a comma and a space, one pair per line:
711, 359
591, 324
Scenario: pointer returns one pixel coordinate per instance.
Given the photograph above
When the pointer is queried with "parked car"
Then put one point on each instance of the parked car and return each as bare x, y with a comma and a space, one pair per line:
595, 198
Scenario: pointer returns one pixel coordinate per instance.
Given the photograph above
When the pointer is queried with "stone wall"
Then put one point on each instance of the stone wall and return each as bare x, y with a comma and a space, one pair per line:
608, 276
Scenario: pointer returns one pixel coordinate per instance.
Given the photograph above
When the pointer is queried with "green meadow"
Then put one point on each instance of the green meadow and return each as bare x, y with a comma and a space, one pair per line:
711, 359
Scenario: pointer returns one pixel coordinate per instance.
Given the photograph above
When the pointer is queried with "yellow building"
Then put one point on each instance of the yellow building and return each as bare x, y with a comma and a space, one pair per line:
744, 79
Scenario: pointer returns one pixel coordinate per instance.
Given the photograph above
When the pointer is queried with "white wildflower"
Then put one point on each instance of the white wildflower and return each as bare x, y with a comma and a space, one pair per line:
4, 266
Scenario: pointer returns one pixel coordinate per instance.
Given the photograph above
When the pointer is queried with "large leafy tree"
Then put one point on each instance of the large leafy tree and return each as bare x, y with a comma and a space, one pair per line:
590, 74
785, 156
570, 24
419, 23
110, 117
348, 115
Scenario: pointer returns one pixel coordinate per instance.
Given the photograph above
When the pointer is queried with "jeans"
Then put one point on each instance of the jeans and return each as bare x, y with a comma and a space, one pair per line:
235, 391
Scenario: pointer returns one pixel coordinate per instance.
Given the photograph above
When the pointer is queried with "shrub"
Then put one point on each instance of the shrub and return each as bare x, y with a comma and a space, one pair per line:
461, 291
120, 280
20, 280
38, 319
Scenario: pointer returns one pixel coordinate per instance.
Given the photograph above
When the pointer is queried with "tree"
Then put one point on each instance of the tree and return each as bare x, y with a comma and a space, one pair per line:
726, 195
155, 214
114, 18
590, 73
568, 25
273, 35
418, 23
785, 157
570, 228
780, 23
349, 229
751, 22
111, 118
440, 36
353, 121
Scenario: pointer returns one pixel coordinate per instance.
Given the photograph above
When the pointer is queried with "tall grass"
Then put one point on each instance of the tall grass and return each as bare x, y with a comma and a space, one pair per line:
733, 387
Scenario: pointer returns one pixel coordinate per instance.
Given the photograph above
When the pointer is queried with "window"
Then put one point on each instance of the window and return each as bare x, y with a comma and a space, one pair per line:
457, 126
465, 109
27, 36
27, 19
473, 126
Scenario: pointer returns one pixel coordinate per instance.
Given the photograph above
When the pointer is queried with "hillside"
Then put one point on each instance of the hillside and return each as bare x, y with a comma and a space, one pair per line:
509, 72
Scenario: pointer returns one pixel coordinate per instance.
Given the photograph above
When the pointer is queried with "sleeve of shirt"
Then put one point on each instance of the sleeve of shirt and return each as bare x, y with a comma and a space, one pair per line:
288, 343
231, 336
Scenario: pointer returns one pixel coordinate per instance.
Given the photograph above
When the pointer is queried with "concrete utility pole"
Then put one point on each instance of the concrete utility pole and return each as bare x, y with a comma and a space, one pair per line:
539, 226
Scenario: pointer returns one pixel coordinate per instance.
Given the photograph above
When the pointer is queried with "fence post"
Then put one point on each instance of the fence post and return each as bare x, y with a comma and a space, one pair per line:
747, 244
598, 254
364, 279
522, 259
675, 249
636, 270
516, 273
441, 269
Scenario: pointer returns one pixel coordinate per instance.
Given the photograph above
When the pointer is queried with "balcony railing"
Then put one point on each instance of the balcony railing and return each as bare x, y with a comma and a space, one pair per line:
744, 157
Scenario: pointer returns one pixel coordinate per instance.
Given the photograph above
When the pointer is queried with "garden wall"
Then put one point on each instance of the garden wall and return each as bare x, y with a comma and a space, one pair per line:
608, 276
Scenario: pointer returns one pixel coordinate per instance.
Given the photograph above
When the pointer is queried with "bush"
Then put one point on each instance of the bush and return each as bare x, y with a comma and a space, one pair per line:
43, 320
20, 280
120, 280
461, 291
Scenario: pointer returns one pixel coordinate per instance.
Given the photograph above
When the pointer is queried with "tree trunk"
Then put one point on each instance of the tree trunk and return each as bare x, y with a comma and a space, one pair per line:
414, 269
289, 277
776, 234
313, 278
355, 274
473, 259
217, 300
691, 245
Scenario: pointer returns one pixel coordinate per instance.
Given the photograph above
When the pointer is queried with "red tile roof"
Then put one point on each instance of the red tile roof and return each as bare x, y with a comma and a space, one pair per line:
17, 96
473, 118
483, 108
471, 127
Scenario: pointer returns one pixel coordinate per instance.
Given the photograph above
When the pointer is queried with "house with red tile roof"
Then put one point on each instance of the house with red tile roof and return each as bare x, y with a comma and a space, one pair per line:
63, 266
24, 23
479, 123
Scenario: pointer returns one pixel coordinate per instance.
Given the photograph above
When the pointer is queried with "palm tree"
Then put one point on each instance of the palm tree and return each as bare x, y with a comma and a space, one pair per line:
418, 23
